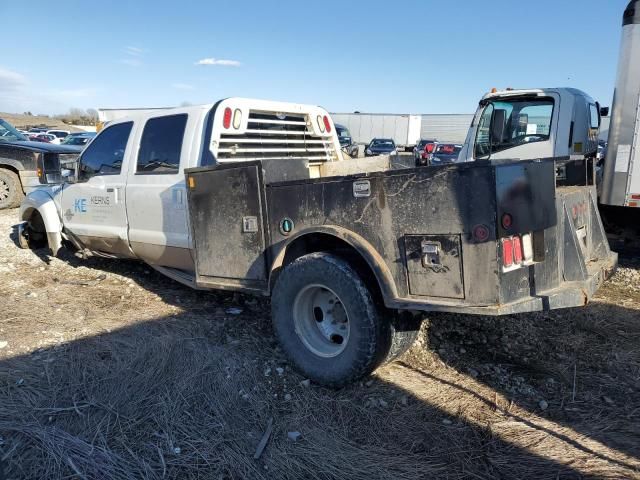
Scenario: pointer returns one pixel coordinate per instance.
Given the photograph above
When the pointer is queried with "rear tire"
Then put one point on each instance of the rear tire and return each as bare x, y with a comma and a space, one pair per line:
328, 323
11, 193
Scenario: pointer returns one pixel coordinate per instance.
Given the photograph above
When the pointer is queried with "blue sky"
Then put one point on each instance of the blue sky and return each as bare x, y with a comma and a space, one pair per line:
405, 56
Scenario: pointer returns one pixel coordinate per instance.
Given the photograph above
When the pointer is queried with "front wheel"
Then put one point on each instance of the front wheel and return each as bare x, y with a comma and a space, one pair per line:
10, 189
328, 322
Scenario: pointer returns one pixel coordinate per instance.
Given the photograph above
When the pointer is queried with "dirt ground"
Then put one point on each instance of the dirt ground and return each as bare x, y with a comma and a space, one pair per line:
110, 371
23, 121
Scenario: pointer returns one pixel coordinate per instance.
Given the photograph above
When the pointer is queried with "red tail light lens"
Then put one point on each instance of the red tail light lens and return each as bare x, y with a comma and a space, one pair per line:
327, 124
507, 221
226, 119
507, 252
429, 147
517, 250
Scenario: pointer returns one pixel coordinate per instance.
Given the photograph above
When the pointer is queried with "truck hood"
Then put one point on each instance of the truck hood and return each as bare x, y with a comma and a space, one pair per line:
42, 147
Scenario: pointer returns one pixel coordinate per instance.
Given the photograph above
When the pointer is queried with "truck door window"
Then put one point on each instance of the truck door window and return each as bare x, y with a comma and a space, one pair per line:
484, 132
161, 145
520, 122
105, 154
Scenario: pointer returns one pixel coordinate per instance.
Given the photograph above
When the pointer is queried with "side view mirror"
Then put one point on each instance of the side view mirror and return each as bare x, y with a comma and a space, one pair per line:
69, 170
604, 111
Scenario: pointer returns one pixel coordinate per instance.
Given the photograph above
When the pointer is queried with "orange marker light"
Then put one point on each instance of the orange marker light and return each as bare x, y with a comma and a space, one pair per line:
192, 183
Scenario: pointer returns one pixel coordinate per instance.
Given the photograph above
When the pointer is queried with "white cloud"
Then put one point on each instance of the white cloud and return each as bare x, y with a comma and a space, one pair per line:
183, 86
221, 62
11, 81
134, 56
134, 51
19, 94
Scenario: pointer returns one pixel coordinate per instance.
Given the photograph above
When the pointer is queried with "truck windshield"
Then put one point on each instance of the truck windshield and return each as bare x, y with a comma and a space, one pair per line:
343, 132
506, 124
9, 134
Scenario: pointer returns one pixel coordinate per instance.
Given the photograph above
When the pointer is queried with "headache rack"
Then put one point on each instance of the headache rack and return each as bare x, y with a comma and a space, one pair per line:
271, 135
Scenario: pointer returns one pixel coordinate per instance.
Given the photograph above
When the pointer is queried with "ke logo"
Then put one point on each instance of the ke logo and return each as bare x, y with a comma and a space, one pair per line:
80, 205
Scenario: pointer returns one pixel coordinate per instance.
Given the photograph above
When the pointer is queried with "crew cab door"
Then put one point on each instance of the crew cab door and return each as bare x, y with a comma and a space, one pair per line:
156, 195
94, 208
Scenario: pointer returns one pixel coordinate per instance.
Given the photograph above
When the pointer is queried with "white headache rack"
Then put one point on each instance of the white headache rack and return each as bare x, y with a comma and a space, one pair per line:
245, 129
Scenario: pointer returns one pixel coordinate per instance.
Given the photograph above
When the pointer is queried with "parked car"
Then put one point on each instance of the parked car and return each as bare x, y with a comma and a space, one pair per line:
422, 150
346, 141
59, 134
78, 139
26, 165
43, 137
37, 130
381, 146
445, 153
602, 149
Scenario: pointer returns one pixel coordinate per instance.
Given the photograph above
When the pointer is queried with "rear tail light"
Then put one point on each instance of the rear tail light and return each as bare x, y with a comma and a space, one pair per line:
237, 118
429, 147
507, 252
635, 196
517, 251
226, 119
327, 124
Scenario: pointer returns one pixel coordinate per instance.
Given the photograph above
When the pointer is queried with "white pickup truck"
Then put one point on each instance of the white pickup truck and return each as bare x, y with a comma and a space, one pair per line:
127, 198
255, 196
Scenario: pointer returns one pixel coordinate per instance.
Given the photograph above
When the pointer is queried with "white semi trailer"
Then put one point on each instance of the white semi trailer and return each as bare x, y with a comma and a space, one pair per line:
621, 176
404, 130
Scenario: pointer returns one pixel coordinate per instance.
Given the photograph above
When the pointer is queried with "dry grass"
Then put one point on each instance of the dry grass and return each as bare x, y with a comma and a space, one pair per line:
133, 376
23, 121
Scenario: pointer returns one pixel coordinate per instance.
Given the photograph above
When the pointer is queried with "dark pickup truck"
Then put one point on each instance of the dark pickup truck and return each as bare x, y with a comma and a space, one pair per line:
25, 164
349, 260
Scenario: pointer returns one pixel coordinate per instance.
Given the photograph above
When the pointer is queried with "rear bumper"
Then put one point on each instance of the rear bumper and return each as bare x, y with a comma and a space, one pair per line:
570, 294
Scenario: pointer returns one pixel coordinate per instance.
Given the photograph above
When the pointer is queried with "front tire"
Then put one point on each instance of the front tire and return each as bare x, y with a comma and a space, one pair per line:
328, 323
11, 193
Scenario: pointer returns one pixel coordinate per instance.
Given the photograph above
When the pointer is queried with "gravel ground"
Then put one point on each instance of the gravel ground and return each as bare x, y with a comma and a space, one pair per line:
109, 370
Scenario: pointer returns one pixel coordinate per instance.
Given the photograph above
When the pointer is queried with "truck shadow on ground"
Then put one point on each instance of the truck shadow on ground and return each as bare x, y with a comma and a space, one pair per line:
191, 394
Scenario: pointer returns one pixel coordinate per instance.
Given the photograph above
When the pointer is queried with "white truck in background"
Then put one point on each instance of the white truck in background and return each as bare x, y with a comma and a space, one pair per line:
564, 122
404, 130
534, 123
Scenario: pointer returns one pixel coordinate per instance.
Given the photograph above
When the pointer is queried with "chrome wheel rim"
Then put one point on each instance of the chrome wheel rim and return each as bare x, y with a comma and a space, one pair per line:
4, 190
321, 321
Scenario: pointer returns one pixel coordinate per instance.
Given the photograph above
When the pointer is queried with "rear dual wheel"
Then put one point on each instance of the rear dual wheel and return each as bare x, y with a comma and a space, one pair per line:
329, 324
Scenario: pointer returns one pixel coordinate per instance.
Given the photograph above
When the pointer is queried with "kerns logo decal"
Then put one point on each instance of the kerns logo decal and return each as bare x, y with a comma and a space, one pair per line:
100, 201
80, 205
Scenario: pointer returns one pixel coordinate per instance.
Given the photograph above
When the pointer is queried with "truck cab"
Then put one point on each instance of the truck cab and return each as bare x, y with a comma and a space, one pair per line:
533, 123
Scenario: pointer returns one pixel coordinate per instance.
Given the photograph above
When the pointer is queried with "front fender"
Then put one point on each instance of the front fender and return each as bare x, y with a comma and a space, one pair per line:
41, 201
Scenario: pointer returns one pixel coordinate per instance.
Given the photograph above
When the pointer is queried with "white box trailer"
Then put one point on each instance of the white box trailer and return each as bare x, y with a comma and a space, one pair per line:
621, 178
106, 115
403, 129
